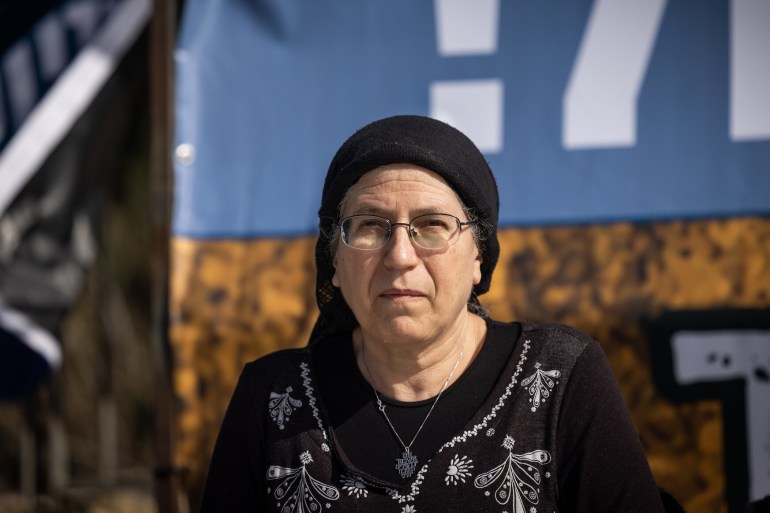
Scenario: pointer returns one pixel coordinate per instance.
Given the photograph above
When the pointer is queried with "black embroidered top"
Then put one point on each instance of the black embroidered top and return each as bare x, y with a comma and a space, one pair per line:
375, 453
552, 435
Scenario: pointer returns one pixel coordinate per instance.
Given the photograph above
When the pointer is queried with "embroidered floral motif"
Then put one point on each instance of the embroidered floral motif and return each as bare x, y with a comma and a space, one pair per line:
459, 469
325, 447
307, 383
281, 406
491, 432
299, 489
415, 488
305, 458
518, 473
540, 385
468, 434
409, 509
354, 486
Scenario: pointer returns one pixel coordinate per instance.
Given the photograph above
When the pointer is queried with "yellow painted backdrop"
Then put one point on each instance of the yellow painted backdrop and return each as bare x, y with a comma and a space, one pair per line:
232, 301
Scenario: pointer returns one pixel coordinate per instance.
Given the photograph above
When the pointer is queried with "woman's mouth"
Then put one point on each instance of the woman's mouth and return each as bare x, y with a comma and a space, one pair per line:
401, 294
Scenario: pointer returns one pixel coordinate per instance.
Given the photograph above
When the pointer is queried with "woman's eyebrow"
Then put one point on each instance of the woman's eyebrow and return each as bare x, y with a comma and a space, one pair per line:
371, 209
430, 210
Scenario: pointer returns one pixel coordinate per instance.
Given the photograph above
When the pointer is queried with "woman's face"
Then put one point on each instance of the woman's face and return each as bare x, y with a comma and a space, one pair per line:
402, 292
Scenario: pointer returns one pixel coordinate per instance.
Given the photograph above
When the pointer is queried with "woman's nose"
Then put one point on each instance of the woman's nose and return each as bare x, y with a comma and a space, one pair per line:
400, 250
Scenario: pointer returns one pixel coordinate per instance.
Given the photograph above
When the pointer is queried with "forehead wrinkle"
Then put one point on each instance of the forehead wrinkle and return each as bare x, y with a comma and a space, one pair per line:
393, 209
389, 214
385, 193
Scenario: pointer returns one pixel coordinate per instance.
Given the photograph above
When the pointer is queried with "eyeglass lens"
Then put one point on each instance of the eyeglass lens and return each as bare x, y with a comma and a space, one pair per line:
430, 231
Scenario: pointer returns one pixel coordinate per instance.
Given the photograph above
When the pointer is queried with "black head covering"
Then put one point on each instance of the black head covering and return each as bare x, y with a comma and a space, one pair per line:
417, 140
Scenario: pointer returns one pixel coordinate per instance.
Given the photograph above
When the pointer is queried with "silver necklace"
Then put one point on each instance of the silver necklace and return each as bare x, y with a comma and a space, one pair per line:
407, 463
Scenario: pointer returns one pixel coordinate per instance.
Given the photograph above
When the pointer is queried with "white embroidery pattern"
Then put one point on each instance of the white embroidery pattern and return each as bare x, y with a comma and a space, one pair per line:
415, 487
516, 471
281, 406
354, 486
500, 403
408, 509
299, 488
459, 469
307, 383
540, 385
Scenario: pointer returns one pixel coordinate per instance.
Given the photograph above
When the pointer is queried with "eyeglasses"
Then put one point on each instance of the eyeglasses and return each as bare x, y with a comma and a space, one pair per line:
429, 231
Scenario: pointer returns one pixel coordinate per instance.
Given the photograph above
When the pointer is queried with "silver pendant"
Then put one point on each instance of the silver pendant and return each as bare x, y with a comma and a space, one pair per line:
406, 464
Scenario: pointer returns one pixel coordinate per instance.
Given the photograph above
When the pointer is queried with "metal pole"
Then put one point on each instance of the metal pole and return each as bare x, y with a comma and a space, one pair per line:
162, 39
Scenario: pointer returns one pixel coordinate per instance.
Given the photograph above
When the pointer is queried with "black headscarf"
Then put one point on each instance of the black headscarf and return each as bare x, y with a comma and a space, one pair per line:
417, 140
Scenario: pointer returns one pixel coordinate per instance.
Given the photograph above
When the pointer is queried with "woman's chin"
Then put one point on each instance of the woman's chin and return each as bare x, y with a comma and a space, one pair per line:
404, 328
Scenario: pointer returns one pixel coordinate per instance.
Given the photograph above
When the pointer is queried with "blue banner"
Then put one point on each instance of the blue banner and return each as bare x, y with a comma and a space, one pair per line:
588, 111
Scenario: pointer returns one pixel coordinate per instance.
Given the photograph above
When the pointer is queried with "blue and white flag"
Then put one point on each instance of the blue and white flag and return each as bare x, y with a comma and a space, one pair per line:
55, 58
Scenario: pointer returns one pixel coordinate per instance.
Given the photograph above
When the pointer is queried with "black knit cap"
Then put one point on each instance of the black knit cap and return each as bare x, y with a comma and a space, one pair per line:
417, 140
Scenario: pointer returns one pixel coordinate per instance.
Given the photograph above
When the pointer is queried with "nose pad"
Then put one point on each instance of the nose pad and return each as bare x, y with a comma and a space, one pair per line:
408, 228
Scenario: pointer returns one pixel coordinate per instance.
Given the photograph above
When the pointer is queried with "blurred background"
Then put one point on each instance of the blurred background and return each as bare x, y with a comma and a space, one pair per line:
161, 164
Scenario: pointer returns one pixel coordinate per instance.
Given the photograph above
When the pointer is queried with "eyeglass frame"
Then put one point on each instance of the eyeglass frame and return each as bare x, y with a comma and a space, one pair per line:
408, 226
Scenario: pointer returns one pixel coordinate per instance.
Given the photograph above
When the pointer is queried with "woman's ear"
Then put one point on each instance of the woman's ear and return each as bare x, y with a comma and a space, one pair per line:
335, 280
477, 268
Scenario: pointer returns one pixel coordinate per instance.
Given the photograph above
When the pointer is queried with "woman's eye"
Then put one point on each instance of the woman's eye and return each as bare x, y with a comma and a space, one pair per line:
432, 224
371, 224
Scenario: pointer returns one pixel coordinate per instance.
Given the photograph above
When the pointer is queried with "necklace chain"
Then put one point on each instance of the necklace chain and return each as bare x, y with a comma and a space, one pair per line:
408, 462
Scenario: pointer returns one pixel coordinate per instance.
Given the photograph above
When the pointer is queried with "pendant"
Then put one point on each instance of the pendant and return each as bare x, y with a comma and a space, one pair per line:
406, 464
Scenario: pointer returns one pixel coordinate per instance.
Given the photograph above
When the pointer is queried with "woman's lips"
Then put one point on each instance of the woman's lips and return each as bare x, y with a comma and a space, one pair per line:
401, 294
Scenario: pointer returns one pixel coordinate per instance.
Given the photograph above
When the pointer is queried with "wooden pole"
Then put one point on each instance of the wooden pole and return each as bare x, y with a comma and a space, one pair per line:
161, 47
28, 460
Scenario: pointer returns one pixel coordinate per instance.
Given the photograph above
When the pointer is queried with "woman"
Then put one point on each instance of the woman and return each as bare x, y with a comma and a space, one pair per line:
408, 398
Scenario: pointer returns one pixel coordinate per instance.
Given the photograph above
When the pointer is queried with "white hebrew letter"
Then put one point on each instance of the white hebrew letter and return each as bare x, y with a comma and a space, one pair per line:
725, 355
600, 101
474, 107
749, 69
467, 28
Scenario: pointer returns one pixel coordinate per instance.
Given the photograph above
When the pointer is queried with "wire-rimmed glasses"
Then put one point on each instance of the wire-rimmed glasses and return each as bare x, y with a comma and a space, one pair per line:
428, 231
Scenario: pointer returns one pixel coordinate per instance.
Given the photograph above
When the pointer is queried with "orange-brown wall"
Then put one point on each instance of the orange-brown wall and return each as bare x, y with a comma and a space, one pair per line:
232, 301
